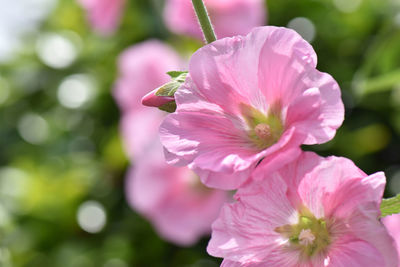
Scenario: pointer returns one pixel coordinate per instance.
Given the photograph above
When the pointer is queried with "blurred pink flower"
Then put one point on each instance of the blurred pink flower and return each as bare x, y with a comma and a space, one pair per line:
176, 203
139, 130
247, 99
180, 208
229, 17
392, 224
103, 15
313, 212
142, 68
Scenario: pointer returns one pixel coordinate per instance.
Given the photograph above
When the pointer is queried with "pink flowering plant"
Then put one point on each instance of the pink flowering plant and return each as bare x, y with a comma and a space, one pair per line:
313, 212
238, 118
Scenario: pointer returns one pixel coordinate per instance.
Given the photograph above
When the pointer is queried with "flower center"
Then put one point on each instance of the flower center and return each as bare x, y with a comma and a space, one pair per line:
306, 237
264, 130
310, 236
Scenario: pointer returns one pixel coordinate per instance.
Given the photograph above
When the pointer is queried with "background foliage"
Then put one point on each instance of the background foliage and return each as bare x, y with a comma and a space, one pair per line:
56, 155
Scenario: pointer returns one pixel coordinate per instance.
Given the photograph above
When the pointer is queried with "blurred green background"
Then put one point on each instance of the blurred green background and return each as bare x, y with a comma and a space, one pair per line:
61, 158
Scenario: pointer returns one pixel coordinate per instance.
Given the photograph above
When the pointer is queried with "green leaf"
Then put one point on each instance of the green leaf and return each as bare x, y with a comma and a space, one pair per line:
169, 107
390, 206
169, 89
176, 73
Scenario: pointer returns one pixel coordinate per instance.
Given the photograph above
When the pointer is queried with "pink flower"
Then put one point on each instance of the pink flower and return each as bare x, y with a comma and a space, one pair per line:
229, 17
173, 199
313, 212
248, 99
392, 224
139, 130
142, 68
103, 15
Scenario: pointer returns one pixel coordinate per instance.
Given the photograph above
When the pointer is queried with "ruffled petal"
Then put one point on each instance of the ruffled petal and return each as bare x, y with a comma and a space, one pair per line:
320, 189
365, 225
356, 253
244, 230
392, 224
212, 141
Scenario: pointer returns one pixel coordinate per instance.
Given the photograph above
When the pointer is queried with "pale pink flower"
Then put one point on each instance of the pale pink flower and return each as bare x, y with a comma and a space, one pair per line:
180, 208
247, 99
392, 224
312, 212
142, 68
103, 15
229, 17
139, 130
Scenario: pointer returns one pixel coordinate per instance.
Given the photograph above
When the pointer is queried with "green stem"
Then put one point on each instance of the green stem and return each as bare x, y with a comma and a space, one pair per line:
204, 21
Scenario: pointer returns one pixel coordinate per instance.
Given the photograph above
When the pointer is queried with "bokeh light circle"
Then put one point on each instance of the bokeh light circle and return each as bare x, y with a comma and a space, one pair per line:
91, 216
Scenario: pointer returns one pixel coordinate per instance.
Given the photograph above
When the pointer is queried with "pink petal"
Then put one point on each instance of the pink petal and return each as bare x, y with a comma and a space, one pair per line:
293, 173
220, 145
139, 130
179, 207
244, 230
331, 110
321, 189
365, 225
279, 154
353, 193
146, 189
184, 218
392, 224
288, 62
232, 69
356, 253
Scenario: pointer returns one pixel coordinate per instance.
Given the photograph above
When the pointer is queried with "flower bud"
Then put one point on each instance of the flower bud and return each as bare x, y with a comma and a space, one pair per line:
153, 100
163, 96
